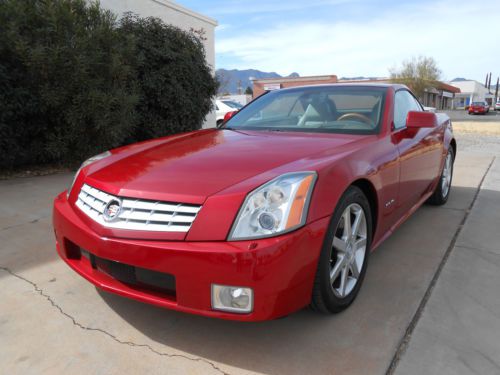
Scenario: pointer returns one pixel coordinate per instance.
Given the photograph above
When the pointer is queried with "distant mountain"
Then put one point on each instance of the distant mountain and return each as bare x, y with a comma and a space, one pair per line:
232, 79
459, 79
358, 78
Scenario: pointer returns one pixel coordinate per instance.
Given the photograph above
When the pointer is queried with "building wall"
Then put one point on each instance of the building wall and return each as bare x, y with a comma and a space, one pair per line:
471, 91
263, 85
176, 15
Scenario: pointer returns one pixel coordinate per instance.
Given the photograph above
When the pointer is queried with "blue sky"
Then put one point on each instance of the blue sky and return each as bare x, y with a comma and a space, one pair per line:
354, 38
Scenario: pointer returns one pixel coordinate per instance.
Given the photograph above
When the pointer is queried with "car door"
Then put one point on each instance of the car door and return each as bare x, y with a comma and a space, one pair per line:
420, 151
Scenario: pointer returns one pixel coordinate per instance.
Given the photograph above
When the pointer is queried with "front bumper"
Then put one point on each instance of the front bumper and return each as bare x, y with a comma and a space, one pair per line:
280, 270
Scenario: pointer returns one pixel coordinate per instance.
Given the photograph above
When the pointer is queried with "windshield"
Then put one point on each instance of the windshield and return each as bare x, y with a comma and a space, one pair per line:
477, 103
332, 109
232, 104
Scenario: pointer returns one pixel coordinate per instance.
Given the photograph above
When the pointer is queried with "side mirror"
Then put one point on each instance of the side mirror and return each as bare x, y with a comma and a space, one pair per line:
417, 120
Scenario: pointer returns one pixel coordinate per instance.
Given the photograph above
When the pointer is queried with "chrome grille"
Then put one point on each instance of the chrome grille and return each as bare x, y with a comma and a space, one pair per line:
137, 214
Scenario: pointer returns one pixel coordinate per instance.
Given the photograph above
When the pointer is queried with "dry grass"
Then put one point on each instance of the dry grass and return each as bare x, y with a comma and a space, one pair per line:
484, 128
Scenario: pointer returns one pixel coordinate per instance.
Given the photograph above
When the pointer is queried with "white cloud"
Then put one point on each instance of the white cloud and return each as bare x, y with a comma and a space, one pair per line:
267, 6
456, 34
223, 26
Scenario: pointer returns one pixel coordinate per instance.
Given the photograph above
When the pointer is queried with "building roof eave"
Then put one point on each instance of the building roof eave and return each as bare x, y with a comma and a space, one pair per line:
187, 11
294, 79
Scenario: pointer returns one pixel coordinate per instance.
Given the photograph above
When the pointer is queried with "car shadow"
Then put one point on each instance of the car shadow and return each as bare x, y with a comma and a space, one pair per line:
359, 340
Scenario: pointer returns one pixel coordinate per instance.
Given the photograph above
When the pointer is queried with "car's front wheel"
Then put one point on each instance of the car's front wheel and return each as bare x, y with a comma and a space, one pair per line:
344, 256
443, 188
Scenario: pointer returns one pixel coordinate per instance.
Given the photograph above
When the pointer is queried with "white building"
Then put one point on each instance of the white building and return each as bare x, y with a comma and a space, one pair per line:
471, 91
174, 14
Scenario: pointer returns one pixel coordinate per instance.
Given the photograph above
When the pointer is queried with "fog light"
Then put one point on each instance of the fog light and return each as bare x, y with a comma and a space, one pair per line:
232, 298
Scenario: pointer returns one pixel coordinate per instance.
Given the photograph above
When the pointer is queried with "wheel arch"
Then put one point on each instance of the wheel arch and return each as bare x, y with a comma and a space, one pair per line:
453, 145
371, 194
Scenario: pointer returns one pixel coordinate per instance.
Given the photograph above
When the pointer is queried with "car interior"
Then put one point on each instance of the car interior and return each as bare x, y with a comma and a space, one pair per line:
355, 110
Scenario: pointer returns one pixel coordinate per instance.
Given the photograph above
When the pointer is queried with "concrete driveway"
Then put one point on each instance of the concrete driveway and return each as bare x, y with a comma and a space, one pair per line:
52, 321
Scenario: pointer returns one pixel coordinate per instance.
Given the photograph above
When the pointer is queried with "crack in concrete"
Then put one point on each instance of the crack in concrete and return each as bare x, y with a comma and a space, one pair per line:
110, 335
405, 340
21, 224
480, 249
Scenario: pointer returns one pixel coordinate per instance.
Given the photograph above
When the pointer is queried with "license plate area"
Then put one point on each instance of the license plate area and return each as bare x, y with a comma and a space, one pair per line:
132, 276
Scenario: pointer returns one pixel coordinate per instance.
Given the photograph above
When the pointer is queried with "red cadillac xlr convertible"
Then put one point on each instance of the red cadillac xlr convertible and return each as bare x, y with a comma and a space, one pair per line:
276, 210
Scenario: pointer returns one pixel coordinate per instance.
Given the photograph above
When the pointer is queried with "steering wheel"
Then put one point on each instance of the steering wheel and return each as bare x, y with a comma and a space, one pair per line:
355, 115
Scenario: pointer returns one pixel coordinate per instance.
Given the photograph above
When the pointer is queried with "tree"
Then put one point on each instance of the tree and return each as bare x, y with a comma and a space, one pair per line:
418, 73
249, 91
75, 81
223, 81
175, 84
66, 88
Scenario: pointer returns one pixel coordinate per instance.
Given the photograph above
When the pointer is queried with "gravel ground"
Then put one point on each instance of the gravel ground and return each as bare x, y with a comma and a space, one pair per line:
475, 142
485, 128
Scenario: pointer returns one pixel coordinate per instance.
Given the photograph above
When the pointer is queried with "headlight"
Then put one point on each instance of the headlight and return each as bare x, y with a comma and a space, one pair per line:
84, 164
276, 207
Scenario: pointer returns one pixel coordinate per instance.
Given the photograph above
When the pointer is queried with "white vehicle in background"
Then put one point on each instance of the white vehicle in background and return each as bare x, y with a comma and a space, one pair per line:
222, 107
497, 105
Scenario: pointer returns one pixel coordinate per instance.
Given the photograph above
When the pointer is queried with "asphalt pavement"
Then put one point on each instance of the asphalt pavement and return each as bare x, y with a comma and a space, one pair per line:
463, 115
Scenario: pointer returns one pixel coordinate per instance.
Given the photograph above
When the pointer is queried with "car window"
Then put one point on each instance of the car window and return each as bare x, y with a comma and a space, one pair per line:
284, 104
404, 102
330, 109
216, 107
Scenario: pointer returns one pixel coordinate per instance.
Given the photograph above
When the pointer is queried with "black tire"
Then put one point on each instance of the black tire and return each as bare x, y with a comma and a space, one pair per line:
440, 197
323, 298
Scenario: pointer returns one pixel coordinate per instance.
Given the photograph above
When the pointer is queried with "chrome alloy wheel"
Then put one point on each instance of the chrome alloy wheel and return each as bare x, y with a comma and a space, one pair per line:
348, 250
446, 177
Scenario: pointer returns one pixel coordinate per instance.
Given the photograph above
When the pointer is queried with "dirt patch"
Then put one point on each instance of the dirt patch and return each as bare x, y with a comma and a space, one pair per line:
32, 172
486, 128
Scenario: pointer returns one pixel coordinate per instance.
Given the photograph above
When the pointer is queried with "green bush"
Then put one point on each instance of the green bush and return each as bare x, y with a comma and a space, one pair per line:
75, 81
176, 85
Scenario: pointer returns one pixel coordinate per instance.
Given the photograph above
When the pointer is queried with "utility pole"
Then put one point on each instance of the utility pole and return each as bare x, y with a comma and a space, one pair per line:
486, 81
496, 92
489, 83
239, 87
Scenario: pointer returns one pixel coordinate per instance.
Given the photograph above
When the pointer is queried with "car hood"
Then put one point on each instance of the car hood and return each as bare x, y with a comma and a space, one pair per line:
191, 167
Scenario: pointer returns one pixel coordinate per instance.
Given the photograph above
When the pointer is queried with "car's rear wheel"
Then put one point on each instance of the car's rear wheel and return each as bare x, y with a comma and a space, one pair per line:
344, 256
442, 191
